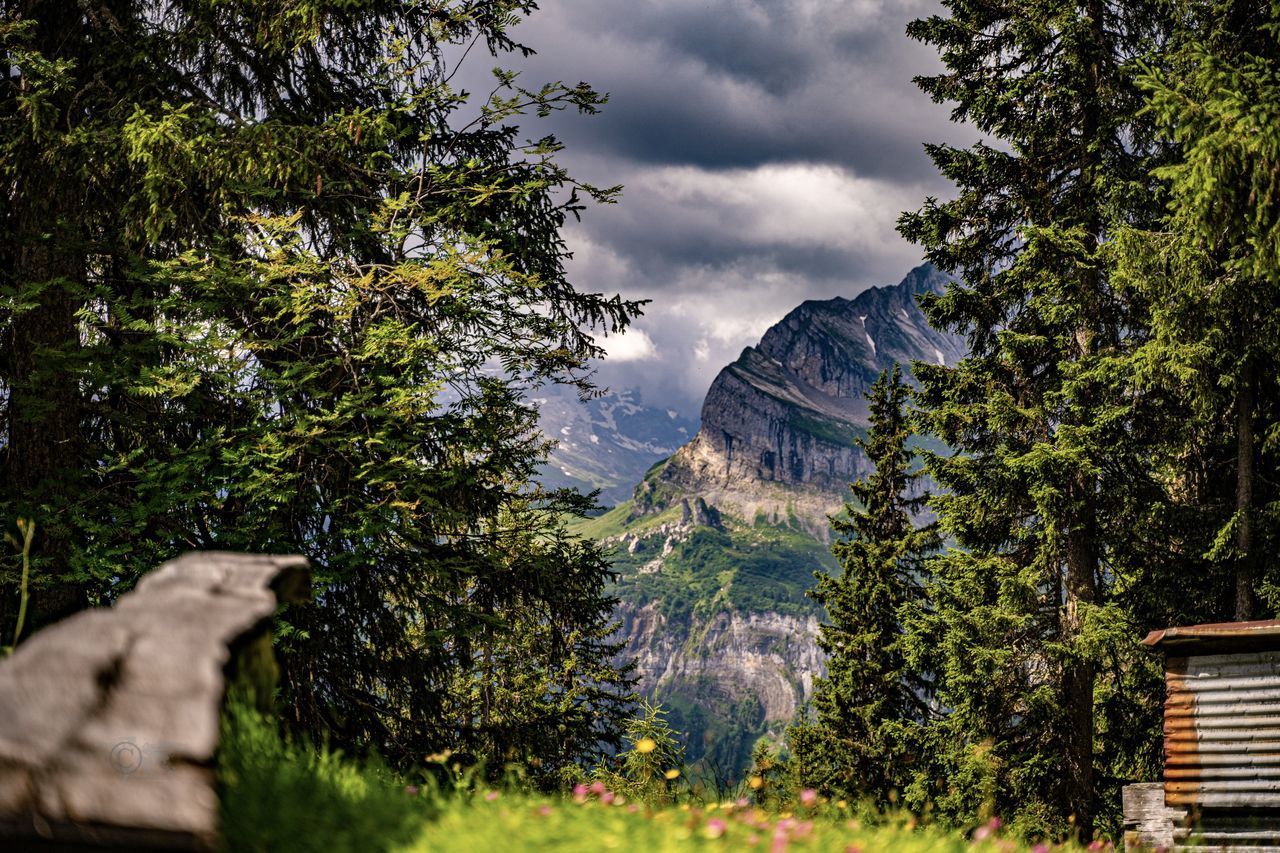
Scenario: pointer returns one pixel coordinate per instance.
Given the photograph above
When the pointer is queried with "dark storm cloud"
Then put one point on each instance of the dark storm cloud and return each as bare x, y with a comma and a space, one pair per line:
767, 149
726, 83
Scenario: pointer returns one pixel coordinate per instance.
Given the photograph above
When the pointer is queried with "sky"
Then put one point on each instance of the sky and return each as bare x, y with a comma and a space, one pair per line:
766, 148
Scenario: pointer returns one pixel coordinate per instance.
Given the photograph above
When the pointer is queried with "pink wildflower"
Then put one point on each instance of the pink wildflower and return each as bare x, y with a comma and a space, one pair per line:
1040, 848
808, 798
411, 790
597, 787
491, 796
545, 811
607, 797
715, 828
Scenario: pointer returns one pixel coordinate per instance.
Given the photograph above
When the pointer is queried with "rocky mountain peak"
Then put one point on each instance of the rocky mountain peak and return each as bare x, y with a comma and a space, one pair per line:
788, 411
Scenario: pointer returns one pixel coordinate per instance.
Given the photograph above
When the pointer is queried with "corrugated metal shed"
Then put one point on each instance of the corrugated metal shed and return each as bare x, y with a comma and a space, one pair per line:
1222, 733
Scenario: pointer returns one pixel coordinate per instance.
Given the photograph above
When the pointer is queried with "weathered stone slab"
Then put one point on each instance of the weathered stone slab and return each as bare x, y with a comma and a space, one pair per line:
109, 719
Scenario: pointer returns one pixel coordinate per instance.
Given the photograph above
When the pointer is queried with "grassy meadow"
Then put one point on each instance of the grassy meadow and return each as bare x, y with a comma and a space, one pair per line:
277, 796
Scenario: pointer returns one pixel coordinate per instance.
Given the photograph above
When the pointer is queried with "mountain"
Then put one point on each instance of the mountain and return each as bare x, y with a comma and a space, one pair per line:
778, 425
719, 543
607, 443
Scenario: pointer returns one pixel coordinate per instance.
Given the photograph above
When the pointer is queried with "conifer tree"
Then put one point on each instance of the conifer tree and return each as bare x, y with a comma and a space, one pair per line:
270, 281
869, 699
1211, 272
1042, 493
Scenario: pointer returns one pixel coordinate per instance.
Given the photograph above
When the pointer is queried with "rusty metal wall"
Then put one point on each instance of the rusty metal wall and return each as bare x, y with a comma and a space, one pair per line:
1222, 731
1222, 747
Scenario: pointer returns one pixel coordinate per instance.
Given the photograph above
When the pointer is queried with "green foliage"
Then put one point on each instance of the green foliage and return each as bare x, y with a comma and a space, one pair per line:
719, 731
870, 703
767, 776
649, 769
270, 282
277, 795
1033, 616
1211, 274
762, 569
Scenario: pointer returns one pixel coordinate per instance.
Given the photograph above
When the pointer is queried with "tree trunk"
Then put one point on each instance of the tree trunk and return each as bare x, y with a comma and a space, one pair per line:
1244, 493
1082, 556
1078, 675
45, 265
42, 456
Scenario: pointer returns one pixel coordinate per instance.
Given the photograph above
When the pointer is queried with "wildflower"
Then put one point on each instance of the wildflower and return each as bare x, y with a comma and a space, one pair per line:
808, 798
491, 796
607, 797
844, 804
756, 783
597, 787
646, 745
741, 802
672, 773
1040, 848
411, 790
988, 829
580, 791
853, 848
545, 811
714, 828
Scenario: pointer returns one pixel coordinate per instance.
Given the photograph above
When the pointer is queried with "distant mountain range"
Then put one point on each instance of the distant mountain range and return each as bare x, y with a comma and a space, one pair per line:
719, 543
607, 443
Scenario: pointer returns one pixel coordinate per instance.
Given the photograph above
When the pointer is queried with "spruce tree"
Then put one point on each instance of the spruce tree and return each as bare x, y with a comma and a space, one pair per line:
270, 281
1211, 271
869, 700
1043, 491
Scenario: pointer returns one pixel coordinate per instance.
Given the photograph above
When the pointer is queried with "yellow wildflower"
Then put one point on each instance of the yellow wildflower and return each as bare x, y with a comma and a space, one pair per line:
672, 773
646, 745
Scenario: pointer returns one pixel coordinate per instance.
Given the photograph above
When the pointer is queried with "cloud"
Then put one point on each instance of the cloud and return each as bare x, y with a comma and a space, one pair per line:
633, 345
767, 148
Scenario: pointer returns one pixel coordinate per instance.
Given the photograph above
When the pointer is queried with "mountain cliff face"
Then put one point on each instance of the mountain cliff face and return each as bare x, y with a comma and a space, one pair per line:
719, 543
